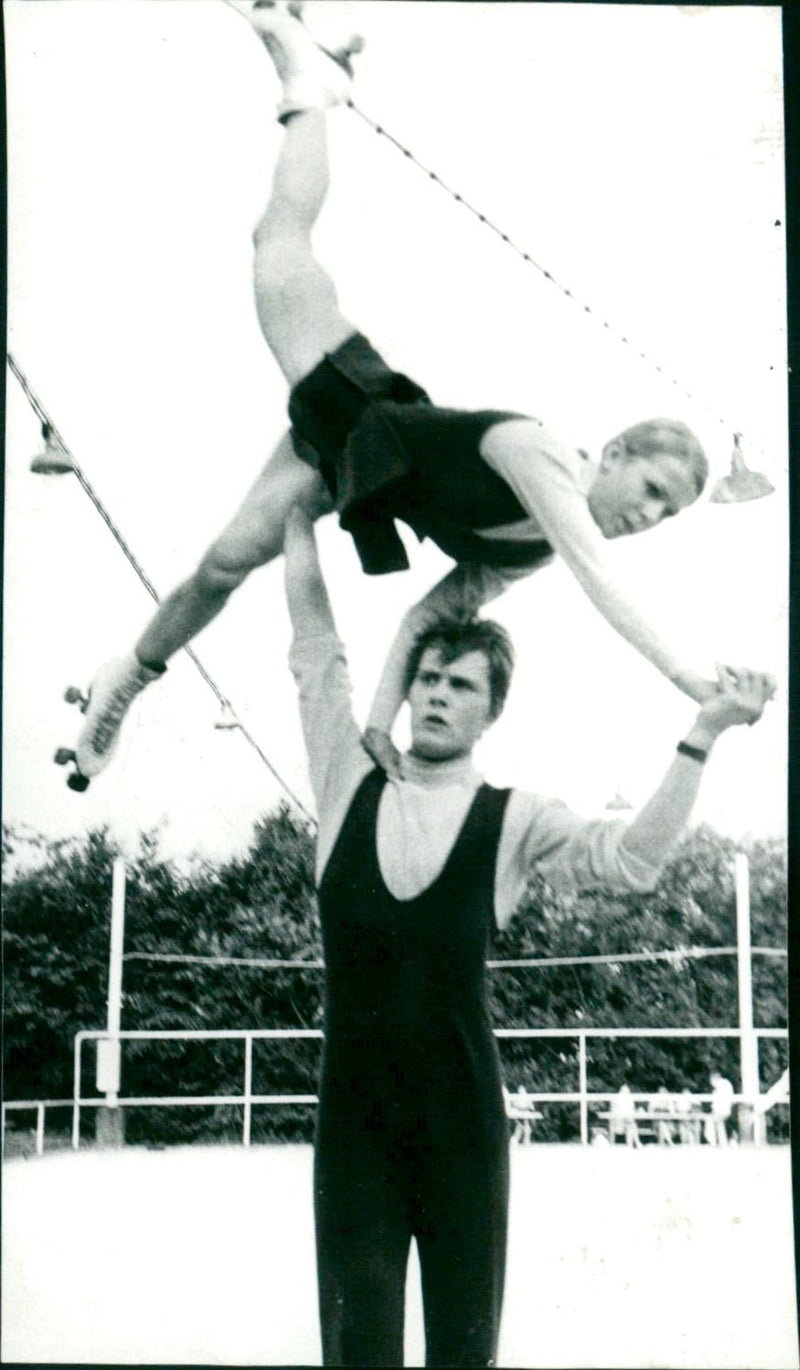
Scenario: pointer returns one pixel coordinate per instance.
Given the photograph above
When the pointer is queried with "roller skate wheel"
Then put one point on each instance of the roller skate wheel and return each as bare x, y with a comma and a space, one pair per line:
78, 782
63, 756
73, 695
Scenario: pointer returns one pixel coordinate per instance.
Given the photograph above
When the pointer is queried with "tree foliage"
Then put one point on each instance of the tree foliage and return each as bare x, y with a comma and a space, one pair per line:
262, 905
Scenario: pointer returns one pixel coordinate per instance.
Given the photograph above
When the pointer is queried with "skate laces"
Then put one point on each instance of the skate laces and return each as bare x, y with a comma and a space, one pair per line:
113, 713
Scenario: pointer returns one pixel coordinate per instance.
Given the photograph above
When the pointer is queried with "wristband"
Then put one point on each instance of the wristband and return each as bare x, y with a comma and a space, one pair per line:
696, 753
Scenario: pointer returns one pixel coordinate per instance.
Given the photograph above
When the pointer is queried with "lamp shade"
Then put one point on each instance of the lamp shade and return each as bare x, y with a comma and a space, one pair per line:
741, 483
51, 459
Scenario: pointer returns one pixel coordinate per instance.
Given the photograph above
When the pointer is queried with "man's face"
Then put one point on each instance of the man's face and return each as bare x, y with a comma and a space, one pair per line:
632, 494
450, 704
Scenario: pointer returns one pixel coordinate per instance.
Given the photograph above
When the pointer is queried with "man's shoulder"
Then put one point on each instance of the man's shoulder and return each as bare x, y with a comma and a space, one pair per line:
528, 806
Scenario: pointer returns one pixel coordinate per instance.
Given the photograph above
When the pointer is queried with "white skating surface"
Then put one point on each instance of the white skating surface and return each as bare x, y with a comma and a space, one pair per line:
205, 1255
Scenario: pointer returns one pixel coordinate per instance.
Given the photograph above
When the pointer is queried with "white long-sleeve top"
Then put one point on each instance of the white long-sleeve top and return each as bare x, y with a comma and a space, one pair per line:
420, 817
551, 479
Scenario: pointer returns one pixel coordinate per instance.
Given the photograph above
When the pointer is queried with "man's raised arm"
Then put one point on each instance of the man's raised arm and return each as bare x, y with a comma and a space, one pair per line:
742, 697
306, 591
337, 761
580, 854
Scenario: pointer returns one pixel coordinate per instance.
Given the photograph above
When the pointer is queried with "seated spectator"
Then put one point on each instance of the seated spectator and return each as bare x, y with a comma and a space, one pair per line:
662, 1111
688, 1127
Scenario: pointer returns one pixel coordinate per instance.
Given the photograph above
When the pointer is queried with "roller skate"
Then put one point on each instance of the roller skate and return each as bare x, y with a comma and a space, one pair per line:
105, 705
311, 47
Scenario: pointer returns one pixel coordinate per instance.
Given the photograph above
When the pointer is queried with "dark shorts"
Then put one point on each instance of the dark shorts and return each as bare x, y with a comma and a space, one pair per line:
326, 405
386, 452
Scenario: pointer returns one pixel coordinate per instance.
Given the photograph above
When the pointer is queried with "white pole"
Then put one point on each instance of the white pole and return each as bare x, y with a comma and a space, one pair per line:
76, 1095
115, 979
749, 1119
248, 1087
582, 1087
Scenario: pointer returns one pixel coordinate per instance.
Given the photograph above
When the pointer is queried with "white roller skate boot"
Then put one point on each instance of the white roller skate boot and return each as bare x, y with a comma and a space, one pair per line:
111, 694
311, 47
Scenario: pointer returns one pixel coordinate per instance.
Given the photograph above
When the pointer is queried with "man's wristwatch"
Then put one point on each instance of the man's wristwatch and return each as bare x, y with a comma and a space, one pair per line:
696, 753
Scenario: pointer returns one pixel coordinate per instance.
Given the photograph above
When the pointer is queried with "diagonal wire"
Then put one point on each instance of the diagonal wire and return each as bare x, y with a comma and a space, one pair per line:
548, 275
44, 418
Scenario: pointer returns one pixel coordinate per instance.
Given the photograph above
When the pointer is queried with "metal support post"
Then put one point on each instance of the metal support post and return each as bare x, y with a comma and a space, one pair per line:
109, 1118
582, 1087
248, 1087
749, 1118
76, 1095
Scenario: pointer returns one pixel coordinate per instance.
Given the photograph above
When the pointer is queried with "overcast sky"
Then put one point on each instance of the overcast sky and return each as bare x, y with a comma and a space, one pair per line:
634, 151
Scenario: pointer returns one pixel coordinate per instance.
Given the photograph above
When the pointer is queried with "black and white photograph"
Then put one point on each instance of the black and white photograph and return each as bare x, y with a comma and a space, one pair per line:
396, 656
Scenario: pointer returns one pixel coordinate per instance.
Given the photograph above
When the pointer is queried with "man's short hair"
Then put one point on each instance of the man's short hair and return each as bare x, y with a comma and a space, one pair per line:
668, 437
454, 640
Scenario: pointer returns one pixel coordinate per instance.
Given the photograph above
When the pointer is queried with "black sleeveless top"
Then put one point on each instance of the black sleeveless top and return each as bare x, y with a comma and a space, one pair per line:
422, 464
407, 1027
385, 451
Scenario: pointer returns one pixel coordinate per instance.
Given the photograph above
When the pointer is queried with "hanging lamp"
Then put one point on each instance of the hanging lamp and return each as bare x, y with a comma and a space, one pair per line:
51, 459
227, 720
741, 483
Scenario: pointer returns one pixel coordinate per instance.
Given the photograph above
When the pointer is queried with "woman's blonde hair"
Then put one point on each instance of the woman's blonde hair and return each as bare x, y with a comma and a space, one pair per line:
668, 437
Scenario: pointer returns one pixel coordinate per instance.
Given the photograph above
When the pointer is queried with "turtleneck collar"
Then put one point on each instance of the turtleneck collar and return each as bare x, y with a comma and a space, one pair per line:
459, 770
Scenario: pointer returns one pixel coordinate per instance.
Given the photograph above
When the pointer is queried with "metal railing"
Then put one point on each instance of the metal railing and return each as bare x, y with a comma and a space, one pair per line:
584, 1098
247, 1099
39, 1106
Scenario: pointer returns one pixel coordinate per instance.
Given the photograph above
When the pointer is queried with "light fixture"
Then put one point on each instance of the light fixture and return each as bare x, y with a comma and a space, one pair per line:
51, 459
742, 483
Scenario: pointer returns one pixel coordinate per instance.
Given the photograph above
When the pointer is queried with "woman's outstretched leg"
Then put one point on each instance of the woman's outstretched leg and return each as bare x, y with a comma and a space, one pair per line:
252, 538
295, 297
300, 318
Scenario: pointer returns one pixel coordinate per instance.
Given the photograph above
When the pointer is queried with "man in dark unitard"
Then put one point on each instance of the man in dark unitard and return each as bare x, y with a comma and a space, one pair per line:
498, 492
414, 873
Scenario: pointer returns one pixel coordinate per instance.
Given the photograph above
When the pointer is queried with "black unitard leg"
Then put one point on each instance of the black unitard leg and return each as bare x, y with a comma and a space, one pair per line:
461, 1236
363, 1240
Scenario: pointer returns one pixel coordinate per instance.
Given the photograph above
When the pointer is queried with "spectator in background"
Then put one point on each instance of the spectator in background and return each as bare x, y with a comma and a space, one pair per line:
776, 1094
688, 1127
662, 1111
622, 1118
722, 1094
521, 1112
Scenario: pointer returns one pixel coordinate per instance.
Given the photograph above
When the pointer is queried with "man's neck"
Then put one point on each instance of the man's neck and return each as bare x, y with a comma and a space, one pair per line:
433, 771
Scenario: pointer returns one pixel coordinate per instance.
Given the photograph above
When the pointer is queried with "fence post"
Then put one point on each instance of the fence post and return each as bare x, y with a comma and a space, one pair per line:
76, 1095
582, 1087
747, 1038
110, 1117
248, 1087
